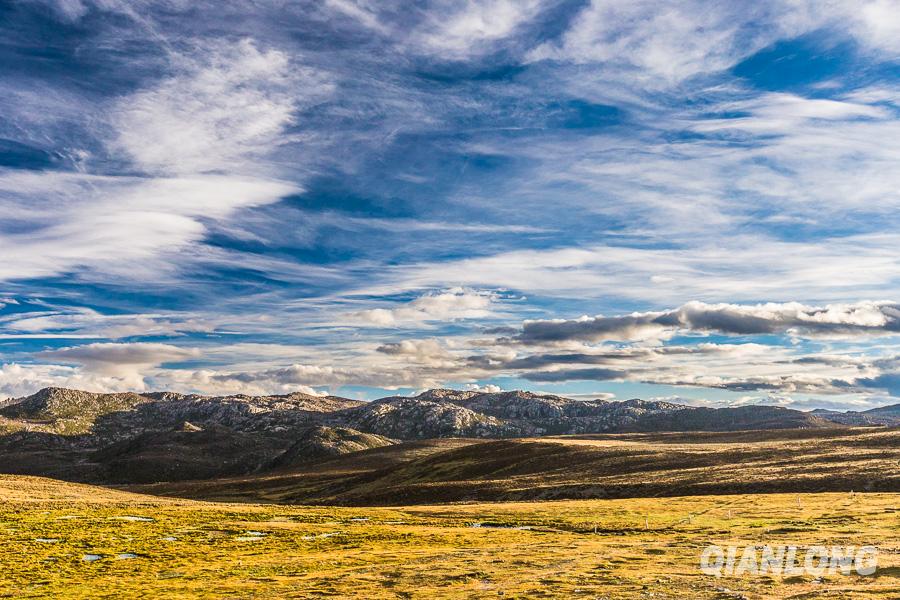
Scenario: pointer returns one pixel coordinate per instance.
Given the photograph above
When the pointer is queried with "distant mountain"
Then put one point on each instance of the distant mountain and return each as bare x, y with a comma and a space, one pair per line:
69, 411
451, 413
110, 417
168, 436
729, 419
883, 415
535, 414
422, 418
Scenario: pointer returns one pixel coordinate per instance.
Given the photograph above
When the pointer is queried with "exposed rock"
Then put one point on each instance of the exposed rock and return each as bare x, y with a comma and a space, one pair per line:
165, 435
536, 414
416, 418
883, 415
69, 411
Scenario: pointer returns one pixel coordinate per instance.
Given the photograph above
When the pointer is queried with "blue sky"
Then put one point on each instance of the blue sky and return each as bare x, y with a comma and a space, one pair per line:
693, 200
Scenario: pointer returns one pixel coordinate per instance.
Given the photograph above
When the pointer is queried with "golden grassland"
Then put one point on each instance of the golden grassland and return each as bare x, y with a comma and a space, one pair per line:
631, 548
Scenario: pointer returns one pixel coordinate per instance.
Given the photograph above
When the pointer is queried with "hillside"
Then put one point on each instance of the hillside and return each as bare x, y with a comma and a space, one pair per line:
422, 418
322, 442
69, 411
183, 454
883, 415
165, 436
589, 466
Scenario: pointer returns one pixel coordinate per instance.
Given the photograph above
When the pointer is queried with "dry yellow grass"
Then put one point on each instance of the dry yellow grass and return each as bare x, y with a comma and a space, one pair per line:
634, 548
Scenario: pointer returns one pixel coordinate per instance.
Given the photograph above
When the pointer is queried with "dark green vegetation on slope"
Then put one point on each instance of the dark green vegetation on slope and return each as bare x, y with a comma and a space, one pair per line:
589, 466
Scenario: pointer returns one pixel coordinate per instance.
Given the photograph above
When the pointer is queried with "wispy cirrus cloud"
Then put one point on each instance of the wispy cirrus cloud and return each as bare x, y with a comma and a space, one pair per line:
457, 30
191, 147
652, 45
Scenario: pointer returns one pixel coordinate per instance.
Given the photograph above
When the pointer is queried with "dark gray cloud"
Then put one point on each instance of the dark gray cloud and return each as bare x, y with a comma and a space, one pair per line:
885, 381
861, 318
575, 375
612, 357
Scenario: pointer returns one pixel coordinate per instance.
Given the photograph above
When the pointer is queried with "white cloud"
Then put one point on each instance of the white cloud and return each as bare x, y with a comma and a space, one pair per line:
488, 388
360, 11
126, 226
739, 267
660, 44
460, 29
69, 10
17, 380
84, 322
292, 377
217, 112
453, 304
877, 25
777, 112
420, 350
199, 137
127, 363
651, 45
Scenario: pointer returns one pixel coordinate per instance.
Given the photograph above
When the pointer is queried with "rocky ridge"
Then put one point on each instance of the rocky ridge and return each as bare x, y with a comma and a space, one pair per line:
171, 436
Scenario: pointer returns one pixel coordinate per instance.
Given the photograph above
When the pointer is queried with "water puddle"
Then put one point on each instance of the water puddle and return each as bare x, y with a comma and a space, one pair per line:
126, 556
321, 536
251, 536
91, 557
169, 538
47, 540
133, 518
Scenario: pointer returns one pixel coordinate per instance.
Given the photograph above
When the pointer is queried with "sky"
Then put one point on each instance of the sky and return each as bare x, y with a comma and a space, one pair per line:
696, 201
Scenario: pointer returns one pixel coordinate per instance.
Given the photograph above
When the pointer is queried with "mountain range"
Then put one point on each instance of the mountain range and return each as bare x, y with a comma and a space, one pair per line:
166, 436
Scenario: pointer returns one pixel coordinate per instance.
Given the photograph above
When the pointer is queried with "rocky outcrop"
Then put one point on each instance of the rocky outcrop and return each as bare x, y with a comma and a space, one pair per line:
69, 411
541, 414
883, 415
418, 418
168, 436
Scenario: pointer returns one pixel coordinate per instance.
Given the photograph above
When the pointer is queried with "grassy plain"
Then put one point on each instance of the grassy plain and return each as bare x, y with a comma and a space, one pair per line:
153, 547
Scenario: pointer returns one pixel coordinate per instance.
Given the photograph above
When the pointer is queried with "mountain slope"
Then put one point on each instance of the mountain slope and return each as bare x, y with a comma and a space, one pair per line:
728, 419
321, 442
416, 418
589, 466
183, 454
162, 435
883, 415
69, 411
